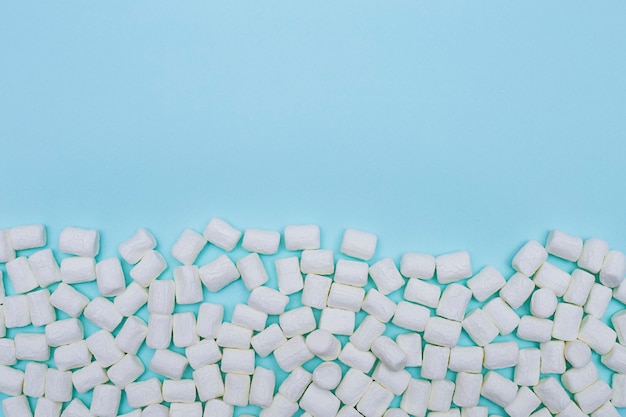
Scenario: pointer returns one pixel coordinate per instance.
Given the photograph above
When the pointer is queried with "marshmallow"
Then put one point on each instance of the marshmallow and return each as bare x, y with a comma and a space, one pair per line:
319, 402
7, 253
209, 320
528, 367
48, 408
422, 292
168, 363
503, 316
435, 362
453, 267
288, 274
592, 397
292, 354
218, 273
352, 387
159, 331
467, 389
572, 410
393, 412
552, 394
375, 400
252, 271
161, 294
134, 248
188, 286
323, 344
186, 410
369, 329
45, 267
262, 387
354, 358
58, 385
183, 391
72, 356
233, 336
206, 352
31, 347
442, 332
103, 314
453, 412
218, 408
281, 407
553, 357
606, 410
209, 383
525, 402
268, 300
184, 329
104, 348
76, 409
222, 234
149, 268
302, 237
16, 407
110, 277
415, 398
529, 258
479, 327
131, 336
351, 272
7, 352
534, 329
125, 371
35, 379
11, 381
21, 276
618, 320
597, 335
441, 392
80, 242
238, 361
294, 385
567, 319
564, 245
386, 276
77, 269
417, 265
155, 410
410, 316
64, 332
613, 269
88, 377
378, 305
618, 383
41, 311
188, 246
517, 290
297, 321
336, 321
501, 355
260, 241
486, 283
268, 340
466, 359
578, 354
327, 375
549, 276
131, 300
105, 401
16, 312
358, 244
579, 287
144, 393
346, 297
598, 301
315, 291
345, 411
68, 300
389, 353
317, 261
248, 317
615, 359
453, 302
479, 411
498, 389
237, 388
592, 256
577, 379
543, 303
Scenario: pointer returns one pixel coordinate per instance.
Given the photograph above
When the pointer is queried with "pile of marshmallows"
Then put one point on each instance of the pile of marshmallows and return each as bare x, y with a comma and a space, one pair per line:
553, 376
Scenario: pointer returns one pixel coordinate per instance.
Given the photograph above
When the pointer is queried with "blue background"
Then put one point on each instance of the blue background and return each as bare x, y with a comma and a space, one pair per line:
439, 126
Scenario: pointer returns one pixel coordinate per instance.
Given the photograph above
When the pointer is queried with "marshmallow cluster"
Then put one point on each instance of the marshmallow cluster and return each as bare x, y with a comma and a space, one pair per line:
323, 333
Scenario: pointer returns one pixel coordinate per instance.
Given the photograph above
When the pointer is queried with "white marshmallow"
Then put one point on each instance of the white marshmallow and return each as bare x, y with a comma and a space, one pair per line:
260, 241
319, 402
529, 258
479, 327
72, 356
233, 336
598, 301
144, 393
543, 303
209, 383
297, 321
564, 245
281, 407
45, 267
579, 287
618, 320
288, 274
613, 269
41, 311
105, 401
183, 391
479, 411
16, 312
125, 371
615, 359
206, 352
618, 383
64, 332
131, 300
435, 362
268, 340
327, 375
592, 397
294, 385
315, 291
76, 409
534, 329
389, 353
378, 305
528, 367
552, 394
11, 381
110, 277
88, 377
302, 237
188, 286
336, 321
80, 242
553, 357
552, 277
35, 379
188, 246
218, 408
352, 387
159, 331
466, 359
467, 389
149, 268
369, 329
501, 355
354, 358
238, 361
525, 402
498, 389
47, 408
218, 273
262, 387
292, 354
453, 302
410, 316
16, 407
77, 269
486, 283
415, 398
567, 319
441, 392
134, 248
248, 317
417, 265
578, 354
597, 335
323, 344
252, 271
572, 410
31, 347
358, 244
375, 400
103, 314
58, 385
209, 320
7, 253
317, 261
386, 276
184, 329
422, 292
577, 379
186, 410
21, 276
346, 411
351, 272
442, 332
7, 352
104, 348
606, 410
222, 234
453, 267
237, 389
592, 256
517, 290
169, 364
68, 300
268, 300
131, 336
502, 315
345, 297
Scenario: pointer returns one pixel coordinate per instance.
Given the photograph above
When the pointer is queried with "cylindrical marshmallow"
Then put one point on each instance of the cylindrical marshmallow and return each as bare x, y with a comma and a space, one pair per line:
268, 340
103, 314
41, 311
132, 335
613, 269
301, 237
21, 275
262, 387
169, 364
134, 248
183, 391
149, 268
578, 354
110, 277
188, 285
188, 246
268, 300
233, 336
222, 234
218, 273
327, 375
289, 275
131, 300
252, 271
144, 393
184, 329
64, 332
88, 377
260, 241
543, 303
292, 354
358, 244
323, 344
529, 258
45, 267
77, 269
58, 385
105, 401
592, 256
237, 389
564, 245
31, 347
80, 242
104, 349
35, 379
126, 371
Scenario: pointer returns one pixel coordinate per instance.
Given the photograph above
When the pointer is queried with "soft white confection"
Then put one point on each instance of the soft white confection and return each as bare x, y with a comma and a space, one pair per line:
169, 364
233, 336
302, 237
159, 331
567, 319
502, 315
354, 358
378, 305
297, 321
592, 256
597, 335
323, 344
218, 408
606, 410
7, 352
209, 383
467, 389
237, 361
268, 340
618, 383
389, 353
417, 265
501, 355
252, 271
615, 359
63, 332
479, 327
319, 402
394, 412
422, 292
131, 300
88, 377
579, 287
161, 296
236, 389
442, 332
35, 379
369, 329
289, 275
45, 267
498, 389
260, 241
16, 407
375, 400
205, 352
386, 276
528, 368
350, 272
48, 408
246, 316
7, 253
155, 410
105, 401
262, 387
618, 321
21, 276
31, 347
327, 375
543, 303
441, 392
210, 317
352, 386
453, 302
188, 246
103, 314
410, 316
294, 385
281, 407
479, 411
315, 291
553, 357
184, 329
80, 242
453, 267
222, 234
578, 354
76, 409
336, 321
183, 391
486, 283
552, 277
592, 397
292, 354
358, 244
12, 380
132, 335
41, 311
317, 261
144, 393
552, 394
525, 402
466, 359
598, 301
415, 398
16, 312
564, 245
577, 379
188, 285
517, 290
218, 273
110, 277
134, 248
72, 356
613, 269
186, 410
149, 268
529, 258
268, 300
77, 269
345, 297
58, 385
534, 329
435, 362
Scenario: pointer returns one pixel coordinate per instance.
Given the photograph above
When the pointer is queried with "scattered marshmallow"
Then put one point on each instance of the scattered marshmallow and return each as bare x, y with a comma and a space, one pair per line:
16, 311
442, 332
389, 353
188, 246
486, 283
410, 316
48, 408
110, 277
369, 329
415, 398
524, 404
578, 354
35, 379
592, 397
315, 291
144, 393
598, 301
543, 303
184, 329
183, 391
21, 275
103, 314
517, 290
386, 276
210, 317
327, 375
441, 392
268, 340
218, 273
467, 389
105, 401
72, 356
502, 315
80, 242
237, 389
564, 245
378, 305
64, 332
88, 377
135, 248
613, 269
264, 242
435, 362
529, 258
297, 321
534, 329
579, 287
131, 300
12, 381
345, 297
7, 352
552, 277
45, 267
352, 273
453, 267
161, 296
41, 311
294, 385
237, 361
501, 355
77, 269
599, 336
592, 256
292, 354
319, 402
552, 395
7, 253
479, 327
466, 359
498, 389
352, 387
58, 386
205, 352
528, 368
354, 358
358, 244
188, 285
159, 331
289, 275
31, 347
302, 237
246, 316
262, 387
323, 344
567, 319
577, 379
148, 268
375, 400
209, 383
268, 300
131, 336
337, 321
221, 234
317, 261
252, 271
417, 265
422, 292
552, 357
169, 364
16, 407
453, 302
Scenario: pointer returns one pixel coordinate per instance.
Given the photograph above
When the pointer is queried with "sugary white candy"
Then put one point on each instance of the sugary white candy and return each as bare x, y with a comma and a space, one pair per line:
417, 265
597, 335
317, 261
453, 302
615, 359
613, 269
64, 332
479, 411
529, 258
378, 305
188, 286
248, 317
233, 336
16, 312
352, 386
502, 315
186, 410
58, 385
105, 401
498, 389
327, 375
319, 402
218, 273
144, 393
441, 392
134, 248
528, 367
442, 332
567, 319
104, 348
103, 314
292, 354
577, 379
218, 408
209, 383
222, 234
466, 359
351, 272
159, 331
16, 407
7, 352
155, 410
375, 400
618, 383
184, 329
369, 329
131, 300
579, 287
517, 290
592, 256
422, 292
415, 398
110, 277
501, 355
618, 320
35, 379
47, 408
80, 242
344, 411
21, 276
161, 295
386, 276
525, 402
534, 329
281, 407
552, 277
237, 389
453, 267
131, 336
88, 377
606, 410
209, 320
486, 283
238, 361
410, 316
68, 300
467, 389
206, 352
125, 371
323, 344
354, 358
598, 301
7, 253
260, 241
169, 364
12, 380
592, 397
77, 269
345, 297
572, 410
435, 362
336, 321
31, 347
41, 311
268, 300
288, 274
315, 291
262, 387
552, 394
389, 353
76, 409
183, 391
392, 412
578, 354
297, 321
188, 246
45, 267
149, 268
302, 237
268, 340
479, 327
543, 303
294, 385
358, 244
553, 357
252, 271
564, 245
